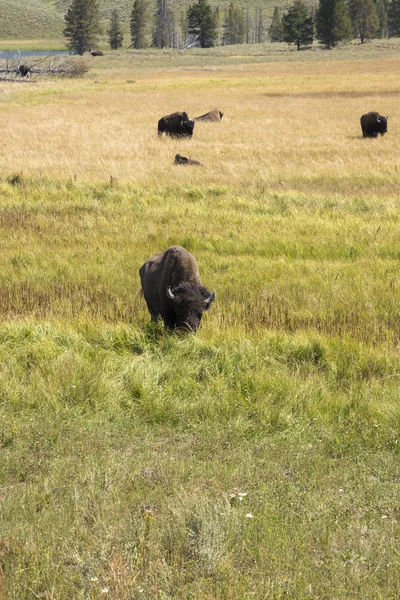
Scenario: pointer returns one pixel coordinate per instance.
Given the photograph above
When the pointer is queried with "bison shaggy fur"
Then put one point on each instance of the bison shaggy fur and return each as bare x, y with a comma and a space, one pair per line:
177, 124
172, 289
372, 123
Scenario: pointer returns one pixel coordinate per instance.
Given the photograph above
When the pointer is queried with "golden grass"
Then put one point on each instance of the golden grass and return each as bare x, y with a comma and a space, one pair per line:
292, 125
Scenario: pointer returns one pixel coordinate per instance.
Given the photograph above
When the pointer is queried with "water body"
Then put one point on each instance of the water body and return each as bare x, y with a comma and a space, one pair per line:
8, 54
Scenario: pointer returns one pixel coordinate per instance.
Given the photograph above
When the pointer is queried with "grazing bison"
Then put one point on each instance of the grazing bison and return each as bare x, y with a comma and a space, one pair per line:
172, 289
213, 115
182, 160
373, 123
97, 53
178, 125
24, 70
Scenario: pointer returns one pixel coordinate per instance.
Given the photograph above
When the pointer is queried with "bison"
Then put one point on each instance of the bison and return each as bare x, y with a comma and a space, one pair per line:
24, 70
182, 160
373, 123
172, 289
177, 124
97, 53
213, 115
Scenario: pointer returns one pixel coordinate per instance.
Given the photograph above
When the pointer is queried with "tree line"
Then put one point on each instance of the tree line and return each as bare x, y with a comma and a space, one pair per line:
202, 26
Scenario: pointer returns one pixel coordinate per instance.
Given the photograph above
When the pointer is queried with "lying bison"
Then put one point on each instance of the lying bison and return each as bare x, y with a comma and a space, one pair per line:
178, 125
373, 123
172, 289
182, 160
213, 115
97, 53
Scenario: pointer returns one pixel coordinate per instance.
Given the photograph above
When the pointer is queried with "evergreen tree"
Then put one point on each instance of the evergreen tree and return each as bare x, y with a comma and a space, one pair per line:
364, 18
382, 9
203, 23
275, 30
298, 25
162, 24
260, 27
115, 35
139, 24
333, 22
394, 18
82, 25
235, 26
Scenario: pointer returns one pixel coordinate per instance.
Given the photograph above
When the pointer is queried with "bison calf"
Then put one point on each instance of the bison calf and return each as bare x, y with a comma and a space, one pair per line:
372, 123
182, 160
177, 124
173, 291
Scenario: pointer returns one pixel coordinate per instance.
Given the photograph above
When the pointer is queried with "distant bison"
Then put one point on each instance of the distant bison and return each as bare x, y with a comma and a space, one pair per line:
373, 123
213, 115
97, 53
24, 70
178, 125
182, 160
172, 289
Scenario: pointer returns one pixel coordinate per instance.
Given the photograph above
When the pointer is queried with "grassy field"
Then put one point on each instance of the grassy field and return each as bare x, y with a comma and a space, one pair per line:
259, 458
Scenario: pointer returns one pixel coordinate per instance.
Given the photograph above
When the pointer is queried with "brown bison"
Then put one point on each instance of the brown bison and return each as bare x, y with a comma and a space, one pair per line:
177, 124
213, 115
172, 289
182, 160
97, 53
372, 123
24, 70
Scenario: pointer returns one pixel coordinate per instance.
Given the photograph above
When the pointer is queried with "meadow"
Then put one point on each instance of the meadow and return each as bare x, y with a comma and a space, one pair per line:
259, 458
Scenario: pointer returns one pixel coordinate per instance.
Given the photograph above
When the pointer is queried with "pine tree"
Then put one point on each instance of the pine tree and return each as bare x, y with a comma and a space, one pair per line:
235, 26
275, 30
394, 18
139, 24
333, 22
364, 18
82, 25
298, 25
382, 9
161, 24
115, 35
202, 23
260, 27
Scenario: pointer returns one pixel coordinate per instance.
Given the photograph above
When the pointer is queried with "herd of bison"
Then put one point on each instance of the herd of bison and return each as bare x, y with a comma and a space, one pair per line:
170, 280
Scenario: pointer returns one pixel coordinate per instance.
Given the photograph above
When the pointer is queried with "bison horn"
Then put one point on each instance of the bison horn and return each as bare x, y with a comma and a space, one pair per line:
170, 295
210, 300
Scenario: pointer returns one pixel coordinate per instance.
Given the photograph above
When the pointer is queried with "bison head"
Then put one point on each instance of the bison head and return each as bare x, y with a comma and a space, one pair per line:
187, 126
188, 302
382, 124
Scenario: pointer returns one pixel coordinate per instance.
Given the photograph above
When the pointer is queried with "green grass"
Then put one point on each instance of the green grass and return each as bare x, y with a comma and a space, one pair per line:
259, 458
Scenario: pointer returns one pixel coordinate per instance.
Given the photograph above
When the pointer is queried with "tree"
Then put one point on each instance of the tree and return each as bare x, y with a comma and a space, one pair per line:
394, 18
115, 35
202, 23
333, 22
382, 9
162, 24
260, 27
298, 25
364, 17
82, 25
275, 30
235, 26
139, 24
